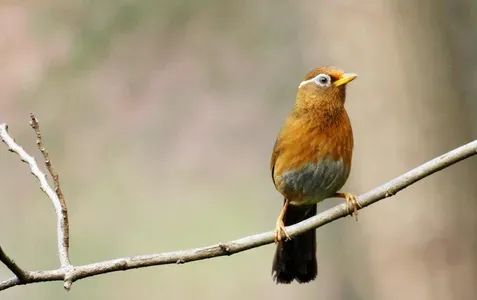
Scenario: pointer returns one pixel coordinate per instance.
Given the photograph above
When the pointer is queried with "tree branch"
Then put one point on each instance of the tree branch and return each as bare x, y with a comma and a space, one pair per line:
12, 265
60, 208
184, 256
59, 201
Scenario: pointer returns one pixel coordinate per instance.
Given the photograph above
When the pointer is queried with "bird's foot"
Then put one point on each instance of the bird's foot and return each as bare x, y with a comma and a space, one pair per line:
279, 229
351, 201
280, 225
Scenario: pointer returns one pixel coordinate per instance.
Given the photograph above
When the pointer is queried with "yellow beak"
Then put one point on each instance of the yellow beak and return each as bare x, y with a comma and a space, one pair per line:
346, 78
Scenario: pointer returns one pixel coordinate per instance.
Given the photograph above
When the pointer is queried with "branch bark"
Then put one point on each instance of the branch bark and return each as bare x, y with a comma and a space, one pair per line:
58, 202
386, 190
21, 274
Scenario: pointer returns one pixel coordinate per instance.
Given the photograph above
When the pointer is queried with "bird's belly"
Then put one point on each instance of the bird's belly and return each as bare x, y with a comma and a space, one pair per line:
314, 182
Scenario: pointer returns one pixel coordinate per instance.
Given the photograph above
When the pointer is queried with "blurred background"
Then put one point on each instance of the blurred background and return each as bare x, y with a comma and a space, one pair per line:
161, 116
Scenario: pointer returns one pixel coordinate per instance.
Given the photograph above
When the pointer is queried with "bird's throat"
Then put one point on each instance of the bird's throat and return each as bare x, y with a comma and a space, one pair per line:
323, 115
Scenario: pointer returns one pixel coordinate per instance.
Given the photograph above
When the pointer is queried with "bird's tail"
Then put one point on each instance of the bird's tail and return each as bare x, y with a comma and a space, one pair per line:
296, 258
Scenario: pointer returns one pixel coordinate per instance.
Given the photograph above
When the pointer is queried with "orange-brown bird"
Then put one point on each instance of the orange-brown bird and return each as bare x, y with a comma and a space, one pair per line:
311, 161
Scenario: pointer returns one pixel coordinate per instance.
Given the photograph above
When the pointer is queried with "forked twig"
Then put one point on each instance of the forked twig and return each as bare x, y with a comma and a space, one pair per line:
54, 195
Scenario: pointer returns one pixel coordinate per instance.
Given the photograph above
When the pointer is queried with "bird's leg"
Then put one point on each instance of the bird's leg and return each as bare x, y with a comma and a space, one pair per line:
350, 201
280, 225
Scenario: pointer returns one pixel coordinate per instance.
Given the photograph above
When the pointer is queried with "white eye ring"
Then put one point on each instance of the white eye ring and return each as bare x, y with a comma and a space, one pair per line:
323, 80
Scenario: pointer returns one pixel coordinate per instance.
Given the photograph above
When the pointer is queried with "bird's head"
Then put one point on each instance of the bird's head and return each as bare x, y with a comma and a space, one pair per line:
323, 88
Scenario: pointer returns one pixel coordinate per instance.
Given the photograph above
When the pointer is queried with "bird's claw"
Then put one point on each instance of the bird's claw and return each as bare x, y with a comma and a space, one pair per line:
353, 202
279, 229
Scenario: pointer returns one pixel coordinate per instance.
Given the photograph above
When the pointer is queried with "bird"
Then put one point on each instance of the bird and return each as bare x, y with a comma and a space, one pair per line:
311, 161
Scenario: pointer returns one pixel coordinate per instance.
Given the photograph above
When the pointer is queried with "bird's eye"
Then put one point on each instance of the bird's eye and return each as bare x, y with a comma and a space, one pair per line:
323, 80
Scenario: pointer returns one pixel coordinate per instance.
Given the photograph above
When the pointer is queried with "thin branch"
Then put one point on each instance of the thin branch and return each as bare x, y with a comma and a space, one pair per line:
222, 249
62, 219
12, 265
61, 211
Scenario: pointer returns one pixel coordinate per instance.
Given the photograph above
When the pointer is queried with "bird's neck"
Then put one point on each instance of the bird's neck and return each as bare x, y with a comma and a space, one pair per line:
324, 114
323, 106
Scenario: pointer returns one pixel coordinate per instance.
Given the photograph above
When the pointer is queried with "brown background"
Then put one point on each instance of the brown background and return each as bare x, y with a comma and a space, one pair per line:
161, 116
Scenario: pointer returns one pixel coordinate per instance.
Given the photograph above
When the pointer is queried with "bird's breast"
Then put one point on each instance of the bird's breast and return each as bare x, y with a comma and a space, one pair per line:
312, 161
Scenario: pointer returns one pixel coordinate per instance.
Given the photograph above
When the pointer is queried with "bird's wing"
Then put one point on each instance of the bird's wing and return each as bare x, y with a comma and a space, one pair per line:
275, 154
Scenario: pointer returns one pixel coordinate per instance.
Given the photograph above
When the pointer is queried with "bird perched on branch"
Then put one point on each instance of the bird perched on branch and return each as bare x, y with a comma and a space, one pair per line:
311, 161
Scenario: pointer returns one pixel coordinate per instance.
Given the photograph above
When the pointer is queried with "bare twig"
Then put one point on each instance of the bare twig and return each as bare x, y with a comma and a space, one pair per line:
12, 265
62, 218
222, 249
62, 211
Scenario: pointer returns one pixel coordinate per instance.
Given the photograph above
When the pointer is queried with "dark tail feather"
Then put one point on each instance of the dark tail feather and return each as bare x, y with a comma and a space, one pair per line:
296, 259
